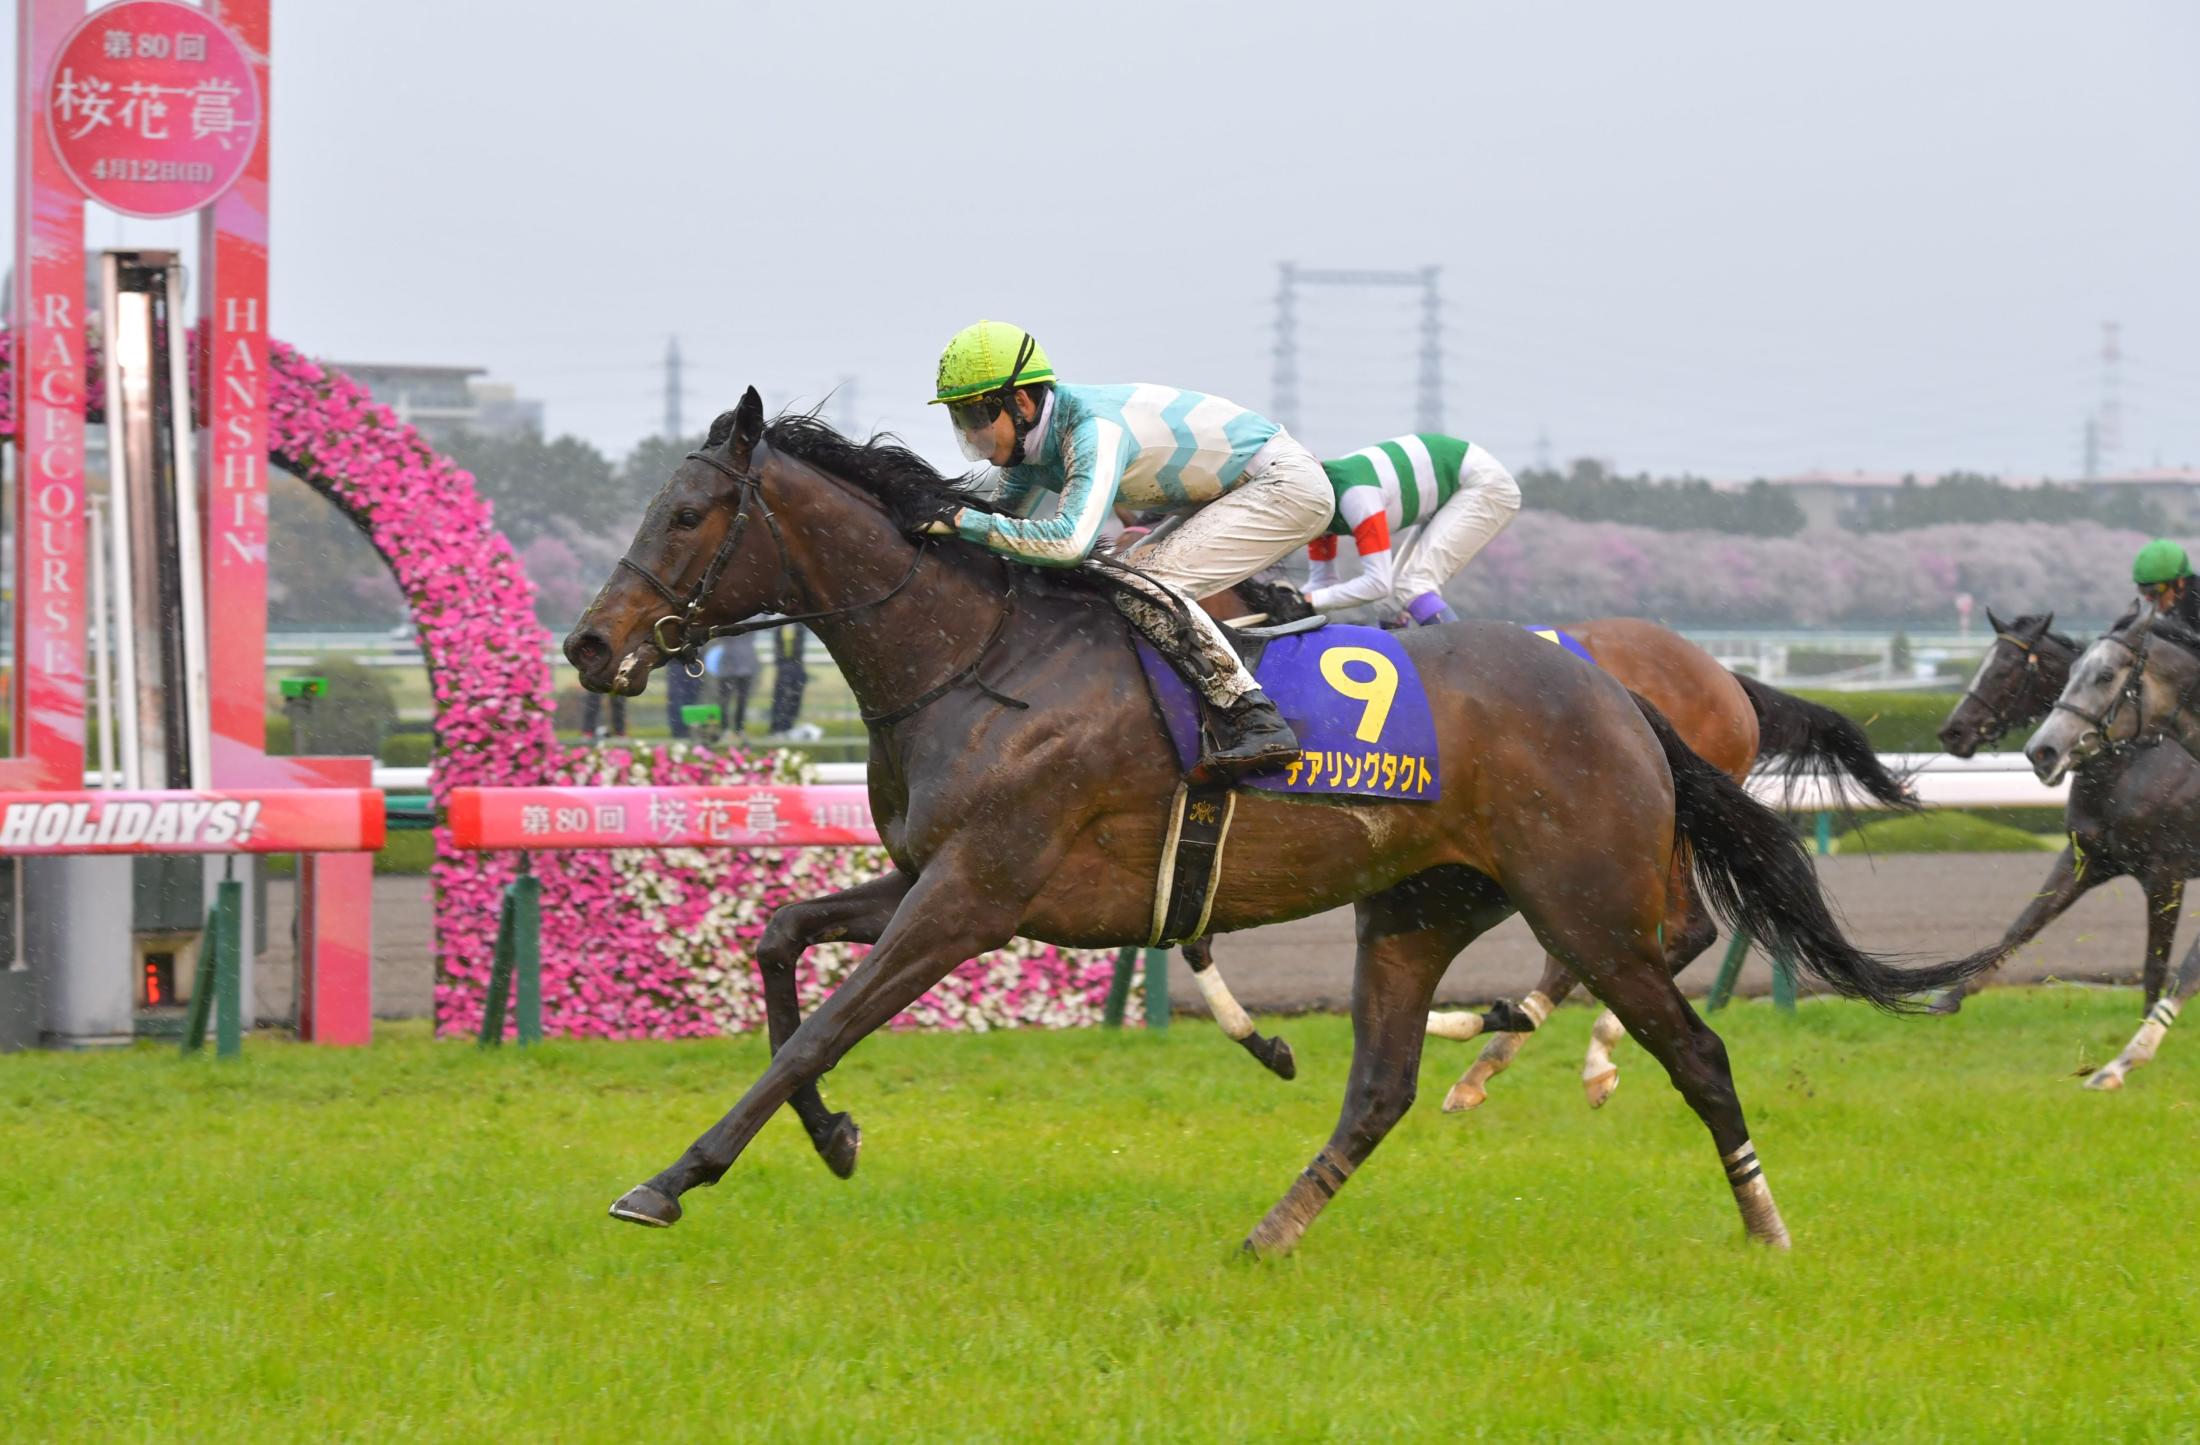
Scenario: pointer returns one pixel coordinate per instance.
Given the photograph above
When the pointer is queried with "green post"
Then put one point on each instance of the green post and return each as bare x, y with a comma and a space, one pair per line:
1783, 984
1119, 987
500, 978
524, 897
1825, 833
202, 985
1722, 988
228, 941
1157, 988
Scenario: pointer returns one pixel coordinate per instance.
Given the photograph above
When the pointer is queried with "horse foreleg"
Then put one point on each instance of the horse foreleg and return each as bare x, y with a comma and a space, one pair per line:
2072, 876
1273, 1053
853, 915
942, 921
2163, 906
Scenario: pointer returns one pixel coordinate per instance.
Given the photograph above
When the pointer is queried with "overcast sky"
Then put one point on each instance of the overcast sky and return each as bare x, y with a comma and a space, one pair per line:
1723, 239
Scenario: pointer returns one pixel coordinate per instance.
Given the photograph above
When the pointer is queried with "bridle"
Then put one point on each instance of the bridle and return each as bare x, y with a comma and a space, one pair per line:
1998, 721
2134, 681
677, 636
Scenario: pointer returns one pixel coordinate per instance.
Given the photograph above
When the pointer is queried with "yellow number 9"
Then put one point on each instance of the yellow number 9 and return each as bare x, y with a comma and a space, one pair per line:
1378, 690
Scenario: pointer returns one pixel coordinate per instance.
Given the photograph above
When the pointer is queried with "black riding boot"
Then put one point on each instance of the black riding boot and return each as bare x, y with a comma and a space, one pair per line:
1248, 737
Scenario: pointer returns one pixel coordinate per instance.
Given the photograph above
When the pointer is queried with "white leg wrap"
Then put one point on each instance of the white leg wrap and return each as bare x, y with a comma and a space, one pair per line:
1234, 1020
1760, 1216
1536, 1007
1456, 1024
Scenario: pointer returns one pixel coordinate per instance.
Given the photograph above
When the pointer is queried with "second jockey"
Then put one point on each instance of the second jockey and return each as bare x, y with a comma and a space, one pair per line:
1455, 492
1251, 492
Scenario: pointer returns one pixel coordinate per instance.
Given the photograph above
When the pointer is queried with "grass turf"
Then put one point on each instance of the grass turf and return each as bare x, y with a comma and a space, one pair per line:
409, 1242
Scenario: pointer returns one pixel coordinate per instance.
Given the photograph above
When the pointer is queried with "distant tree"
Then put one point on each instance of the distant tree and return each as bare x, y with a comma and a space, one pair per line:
536, 484
1588, 491
1970, 497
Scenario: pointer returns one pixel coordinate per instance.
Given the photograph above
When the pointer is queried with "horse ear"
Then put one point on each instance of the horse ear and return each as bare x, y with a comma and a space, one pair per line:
1995, 622
748, 427
2047, 625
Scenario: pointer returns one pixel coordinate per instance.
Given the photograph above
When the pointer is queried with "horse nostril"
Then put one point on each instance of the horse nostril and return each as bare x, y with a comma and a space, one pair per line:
587, 649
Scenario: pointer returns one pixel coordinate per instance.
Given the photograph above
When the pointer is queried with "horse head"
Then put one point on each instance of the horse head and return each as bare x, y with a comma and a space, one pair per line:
2135, 683
2016, 683
704, 553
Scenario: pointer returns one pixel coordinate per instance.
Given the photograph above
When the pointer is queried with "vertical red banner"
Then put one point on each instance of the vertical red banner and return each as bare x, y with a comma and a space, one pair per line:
48, 330
233, 331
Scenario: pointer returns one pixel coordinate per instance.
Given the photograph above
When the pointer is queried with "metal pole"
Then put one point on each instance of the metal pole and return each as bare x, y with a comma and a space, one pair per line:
1825, 833
525, 894
1157, 988
500, 979
1730, 969
1119, 987
198, 737
229, 968
103, 693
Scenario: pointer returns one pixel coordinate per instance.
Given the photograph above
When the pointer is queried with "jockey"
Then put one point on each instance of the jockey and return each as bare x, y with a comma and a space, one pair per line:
1253, 494
2164, 576
1460, 496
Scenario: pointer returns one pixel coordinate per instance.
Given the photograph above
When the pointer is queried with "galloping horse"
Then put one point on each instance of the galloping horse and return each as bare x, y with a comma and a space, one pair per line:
1730, 721
2134, 806
2124, 692
1020, 781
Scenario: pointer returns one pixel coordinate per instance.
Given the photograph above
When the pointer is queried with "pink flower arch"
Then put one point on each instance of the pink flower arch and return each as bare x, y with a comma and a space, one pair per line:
636, 943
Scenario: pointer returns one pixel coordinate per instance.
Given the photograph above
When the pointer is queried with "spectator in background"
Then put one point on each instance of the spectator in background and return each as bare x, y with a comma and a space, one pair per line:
789, 677
732, 662
681, 691
592, 715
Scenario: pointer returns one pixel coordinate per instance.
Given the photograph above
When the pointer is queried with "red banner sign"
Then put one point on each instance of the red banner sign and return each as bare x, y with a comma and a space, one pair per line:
582, 817
153, 107
290, 820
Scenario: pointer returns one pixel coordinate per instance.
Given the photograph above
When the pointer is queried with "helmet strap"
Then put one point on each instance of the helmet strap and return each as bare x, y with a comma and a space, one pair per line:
1007, 393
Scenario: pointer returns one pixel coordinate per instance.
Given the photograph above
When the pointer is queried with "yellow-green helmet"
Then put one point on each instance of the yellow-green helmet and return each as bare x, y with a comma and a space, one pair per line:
989, 356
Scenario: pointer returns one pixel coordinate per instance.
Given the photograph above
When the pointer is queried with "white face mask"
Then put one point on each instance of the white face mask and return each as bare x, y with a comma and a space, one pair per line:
977, 445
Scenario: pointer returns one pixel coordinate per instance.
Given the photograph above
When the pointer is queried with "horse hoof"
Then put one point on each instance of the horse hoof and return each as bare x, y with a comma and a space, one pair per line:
2105, 1082
1947, 1001
1600, 1088
644, 1205
1280, 1060
1464, 1096
841, 1144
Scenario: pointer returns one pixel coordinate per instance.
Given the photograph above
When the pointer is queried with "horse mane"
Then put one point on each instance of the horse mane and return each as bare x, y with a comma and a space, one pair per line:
911, 489
2170, 630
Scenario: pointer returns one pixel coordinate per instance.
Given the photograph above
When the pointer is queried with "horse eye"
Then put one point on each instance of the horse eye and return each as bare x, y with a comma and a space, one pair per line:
687, 517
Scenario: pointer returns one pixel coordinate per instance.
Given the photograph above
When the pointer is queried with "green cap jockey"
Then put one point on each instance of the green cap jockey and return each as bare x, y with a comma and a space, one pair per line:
2164, 575
2159, 561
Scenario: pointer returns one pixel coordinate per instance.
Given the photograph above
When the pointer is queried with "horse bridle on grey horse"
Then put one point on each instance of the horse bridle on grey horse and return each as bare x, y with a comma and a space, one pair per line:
2134, 681
676, 636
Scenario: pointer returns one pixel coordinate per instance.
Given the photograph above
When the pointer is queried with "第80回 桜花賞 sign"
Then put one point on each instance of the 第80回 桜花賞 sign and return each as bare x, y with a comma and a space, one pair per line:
152, 108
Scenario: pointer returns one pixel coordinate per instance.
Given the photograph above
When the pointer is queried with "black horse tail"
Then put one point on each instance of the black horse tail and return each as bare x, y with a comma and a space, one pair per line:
1807, 742
1756, 875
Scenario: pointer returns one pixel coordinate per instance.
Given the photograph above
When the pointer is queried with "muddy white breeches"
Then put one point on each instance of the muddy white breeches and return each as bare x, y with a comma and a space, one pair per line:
1482, 507
1279, 507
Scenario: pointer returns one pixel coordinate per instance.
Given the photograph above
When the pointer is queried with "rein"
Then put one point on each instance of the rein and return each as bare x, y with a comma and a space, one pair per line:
1999, 721
677, 635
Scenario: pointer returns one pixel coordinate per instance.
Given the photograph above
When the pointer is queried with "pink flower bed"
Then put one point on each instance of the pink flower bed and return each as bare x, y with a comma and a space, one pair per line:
636, 943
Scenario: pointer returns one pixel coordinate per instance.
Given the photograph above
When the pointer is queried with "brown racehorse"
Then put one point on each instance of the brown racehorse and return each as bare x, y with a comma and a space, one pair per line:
1728, 720
1020, 780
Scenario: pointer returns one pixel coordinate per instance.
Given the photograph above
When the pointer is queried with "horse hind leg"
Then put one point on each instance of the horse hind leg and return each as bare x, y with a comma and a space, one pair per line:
1273, 1053
2163, 1006
1510, 1024
1636, 986
1695, 933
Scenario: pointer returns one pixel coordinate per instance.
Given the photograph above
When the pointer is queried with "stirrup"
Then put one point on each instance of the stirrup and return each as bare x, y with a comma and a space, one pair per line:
1244, 626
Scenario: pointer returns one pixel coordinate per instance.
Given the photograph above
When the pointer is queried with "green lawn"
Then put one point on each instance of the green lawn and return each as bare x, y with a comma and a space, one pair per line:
409, 1242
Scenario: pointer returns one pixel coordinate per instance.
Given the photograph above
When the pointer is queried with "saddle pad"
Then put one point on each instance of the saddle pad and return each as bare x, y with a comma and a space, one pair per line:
1564, 639
1353, 697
